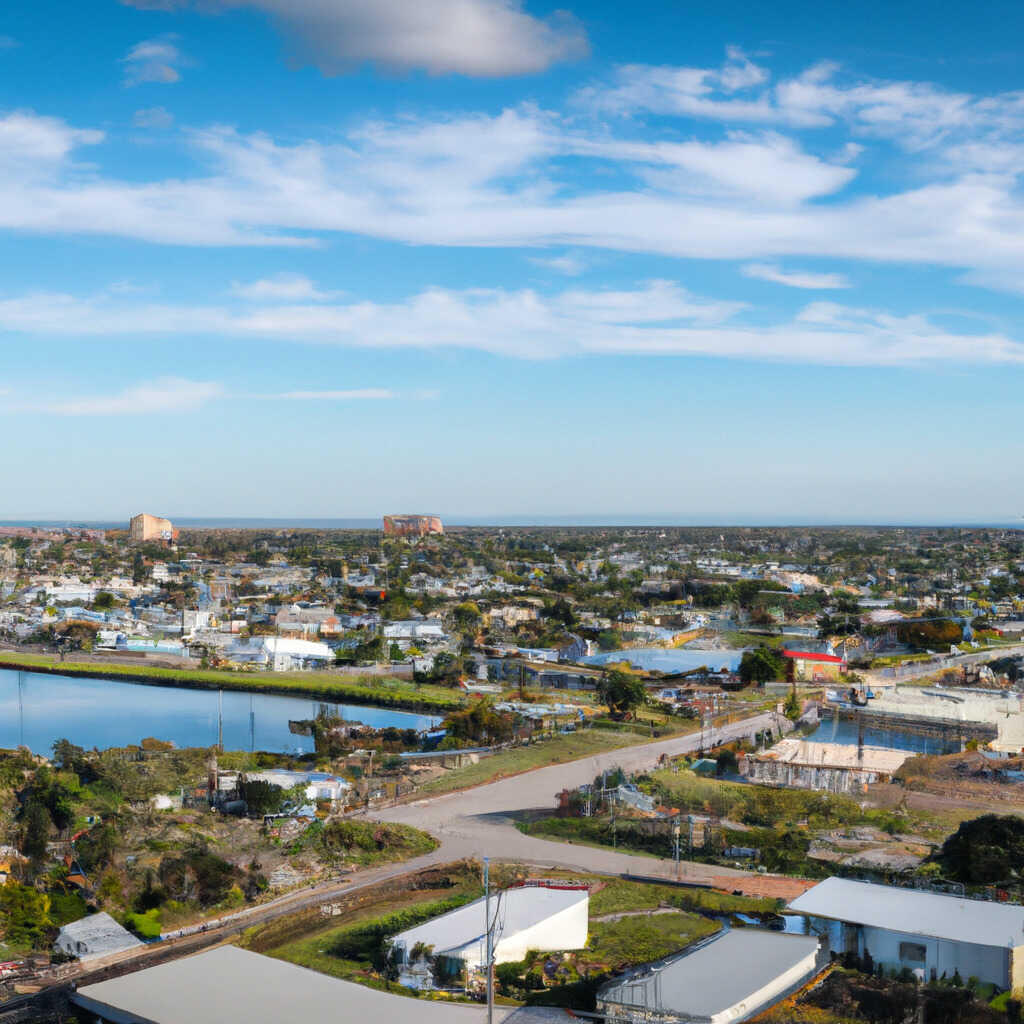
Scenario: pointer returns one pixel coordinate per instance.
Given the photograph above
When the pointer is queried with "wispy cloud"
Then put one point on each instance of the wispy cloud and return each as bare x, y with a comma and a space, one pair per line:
282, 287
569, 265
153, 117
658, 318
485, 38
153, 61
795, 278
166, 395
351, 395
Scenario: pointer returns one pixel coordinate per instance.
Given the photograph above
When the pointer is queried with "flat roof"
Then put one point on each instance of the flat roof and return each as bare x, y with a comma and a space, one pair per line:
232, 984
835, 755
914, 912
736, 966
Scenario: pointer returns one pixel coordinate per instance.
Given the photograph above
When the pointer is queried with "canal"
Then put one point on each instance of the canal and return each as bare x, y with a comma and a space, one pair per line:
36, 709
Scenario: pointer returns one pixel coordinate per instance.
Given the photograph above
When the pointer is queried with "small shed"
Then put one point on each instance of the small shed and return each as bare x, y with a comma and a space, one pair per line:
94, 936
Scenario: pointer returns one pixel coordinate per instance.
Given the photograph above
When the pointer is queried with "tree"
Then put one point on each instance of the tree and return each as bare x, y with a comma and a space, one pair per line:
262, 797
623, 692
37, 831
25, 914
466, 616
985, 850
761, 665
791, 708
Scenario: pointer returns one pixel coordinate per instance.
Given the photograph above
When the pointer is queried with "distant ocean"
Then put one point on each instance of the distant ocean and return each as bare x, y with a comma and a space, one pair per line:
298, 523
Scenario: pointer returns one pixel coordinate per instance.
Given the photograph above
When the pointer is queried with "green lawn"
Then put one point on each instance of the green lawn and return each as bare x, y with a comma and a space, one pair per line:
636, 940
570, 747
329, 686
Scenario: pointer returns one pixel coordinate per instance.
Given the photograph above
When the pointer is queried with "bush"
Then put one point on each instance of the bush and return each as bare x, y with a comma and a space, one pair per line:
146, 926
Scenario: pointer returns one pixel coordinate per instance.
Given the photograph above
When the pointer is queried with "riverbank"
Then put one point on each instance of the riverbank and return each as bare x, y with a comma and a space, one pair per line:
348, 689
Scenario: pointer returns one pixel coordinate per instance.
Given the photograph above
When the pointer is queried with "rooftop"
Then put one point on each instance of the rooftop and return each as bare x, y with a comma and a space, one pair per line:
835, 755
99, 933
742, 970
232, 984
913, 912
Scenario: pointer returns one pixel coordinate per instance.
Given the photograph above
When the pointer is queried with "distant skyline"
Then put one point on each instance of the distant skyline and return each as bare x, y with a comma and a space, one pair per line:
293, 259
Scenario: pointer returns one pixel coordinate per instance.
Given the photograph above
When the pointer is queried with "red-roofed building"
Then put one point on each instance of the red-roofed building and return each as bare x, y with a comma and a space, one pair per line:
813, 666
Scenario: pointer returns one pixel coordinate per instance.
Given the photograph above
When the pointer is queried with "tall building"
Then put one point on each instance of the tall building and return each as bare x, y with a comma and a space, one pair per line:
145, 527
412, 526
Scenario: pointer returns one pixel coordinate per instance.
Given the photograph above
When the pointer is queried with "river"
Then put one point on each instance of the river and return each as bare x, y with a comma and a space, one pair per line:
669, 659
37, 708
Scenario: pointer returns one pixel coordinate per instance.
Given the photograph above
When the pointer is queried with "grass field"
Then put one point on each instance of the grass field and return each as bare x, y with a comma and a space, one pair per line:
570, 747
348, 688
635, 940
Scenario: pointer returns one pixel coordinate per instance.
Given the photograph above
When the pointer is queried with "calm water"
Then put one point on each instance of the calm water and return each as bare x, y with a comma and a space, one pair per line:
677, 659
101, 713
836, 731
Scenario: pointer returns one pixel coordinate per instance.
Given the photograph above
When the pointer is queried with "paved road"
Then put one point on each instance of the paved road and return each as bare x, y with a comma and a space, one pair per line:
480, 822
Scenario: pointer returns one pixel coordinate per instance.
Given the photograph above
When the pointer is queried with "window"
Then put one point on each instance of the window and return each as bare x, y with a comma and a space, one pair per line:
913, 952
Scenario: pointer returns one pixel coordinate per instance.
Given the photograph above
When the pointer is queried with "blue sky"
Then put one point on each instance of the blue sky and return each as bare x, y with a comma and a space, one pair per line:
486, 258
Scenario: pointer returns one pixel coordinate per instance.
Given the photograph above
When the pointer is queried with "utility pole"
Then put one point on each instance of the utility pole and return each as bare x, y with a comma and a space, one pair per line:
489, 941
675, 844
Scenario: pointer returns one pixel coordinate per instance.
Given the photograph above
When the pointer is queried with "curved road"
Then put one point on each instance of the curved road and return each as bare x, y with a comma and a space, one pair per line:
480, 822
474, 823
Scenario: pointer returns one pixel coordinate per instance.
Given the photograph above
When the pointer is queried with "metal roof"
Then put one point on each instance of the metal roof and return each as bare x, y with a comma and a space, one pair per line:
913, 912
742, 965
232, 984
520, 909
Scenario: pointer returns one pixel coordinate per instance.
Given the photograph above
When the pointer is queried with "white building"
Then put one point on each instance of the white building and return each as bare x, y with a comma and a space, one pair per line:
733, 976
280, 654
529, 917
931, 934
94, 936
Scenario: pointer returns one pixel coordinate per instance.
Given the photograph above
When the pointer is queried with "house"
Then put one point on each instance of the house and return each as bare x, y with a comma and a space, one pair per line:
539, 917
94, 936
933, 935
813, 666
733, 976
281, 654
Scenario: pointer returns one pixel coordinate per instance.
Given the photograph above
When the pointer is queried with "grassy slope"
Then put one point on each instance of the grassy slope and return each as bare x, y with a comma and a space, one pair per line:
570, 747
347, 688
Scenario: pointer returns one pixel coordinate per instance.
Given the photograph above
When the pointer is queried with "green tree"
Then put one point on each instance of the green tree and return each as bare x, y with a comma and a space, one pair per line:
791, 708
623, 692
36, 821
262, 797
25, 915
761, 665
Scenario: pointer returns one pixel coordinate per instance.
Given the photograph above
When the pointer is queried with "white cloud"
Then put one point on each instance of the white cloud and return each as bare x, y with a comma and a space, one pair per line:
167, 395
570, 265
540, 178
471, 37
153, 117
794, 278
153, 61
659, 318
351, 395
282, 287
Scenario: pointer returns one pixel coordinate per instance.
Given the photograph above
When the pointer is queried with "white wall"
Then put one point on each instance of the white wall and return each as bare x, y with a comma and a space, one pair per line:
565, 930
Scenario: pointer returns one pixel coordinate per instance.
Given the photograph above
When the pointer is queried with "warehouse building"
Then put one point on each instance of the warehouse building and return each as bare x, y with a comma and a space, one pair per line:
832, 767
539, 917
231, 984
932, 934
733, 976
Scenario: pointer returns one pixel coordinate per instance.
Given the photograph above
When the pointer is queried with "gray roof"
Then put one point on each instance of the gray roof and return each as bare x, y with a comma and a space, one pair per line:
734, 967
99, 933
231, 984
913, 912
